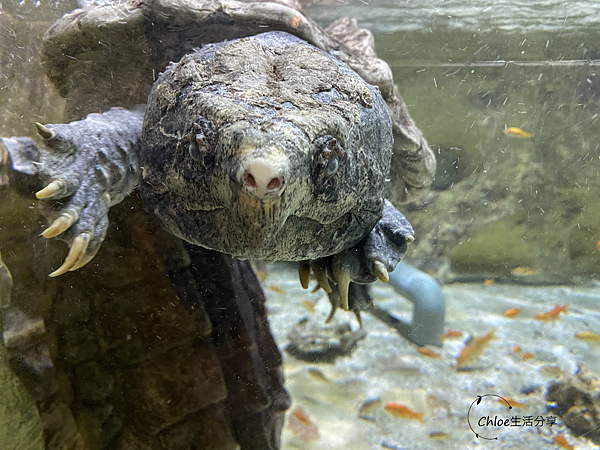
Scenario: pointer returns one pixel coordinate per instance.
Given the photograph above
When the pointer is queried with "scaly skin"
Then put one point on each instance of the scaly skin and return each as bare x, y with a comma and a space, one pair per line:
372, 258
86, 166
269, 103
322, 134
105, 56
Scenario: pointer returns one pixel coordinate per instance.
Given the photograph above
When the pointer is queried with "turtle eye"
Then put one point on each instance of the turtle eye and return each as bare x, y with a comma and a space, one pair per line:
332, 167
327, 158
199, 148
327, 161
202, 140
195, 152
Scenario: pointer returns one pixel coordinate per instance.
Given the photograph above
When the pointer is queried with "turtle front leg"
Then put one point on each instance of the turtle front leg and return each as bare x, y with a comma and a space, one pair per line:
81, 170
372, 258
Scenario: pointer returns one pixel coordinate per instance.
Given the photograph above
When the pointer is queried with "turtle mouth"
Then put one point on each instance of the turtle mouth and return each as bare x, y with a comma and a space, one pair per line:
265, 213
247, 229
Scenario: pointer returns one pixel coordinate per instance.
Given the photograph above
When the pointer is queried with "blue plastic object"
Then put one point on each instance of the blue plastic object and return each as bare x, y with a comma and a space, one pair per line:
426, 295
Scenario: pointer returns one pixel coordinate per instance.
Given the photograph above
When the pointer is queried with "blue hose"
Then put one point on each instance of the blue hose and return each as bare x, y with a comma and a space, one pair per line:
426, 295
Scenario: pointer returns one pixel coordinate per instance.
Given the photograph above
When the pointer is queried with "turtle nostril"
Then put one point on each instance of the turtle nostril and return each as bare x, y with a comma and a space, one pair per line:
249, 180
262, 176
274, 184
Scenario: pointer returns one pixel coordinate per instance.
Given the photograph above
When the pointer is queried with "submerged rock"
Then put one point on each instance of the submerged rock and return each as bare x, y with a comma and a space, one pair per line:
312, 340
577, 402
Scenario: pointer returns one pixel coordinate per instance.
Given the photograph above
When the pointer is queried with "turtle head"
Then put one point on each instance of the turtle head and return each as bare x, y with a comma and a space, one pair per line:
265, 148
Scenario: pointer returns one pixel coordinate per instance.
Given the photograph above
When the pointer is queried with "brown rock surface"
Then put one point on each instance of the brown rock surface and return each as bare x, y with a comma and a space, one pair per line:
129, 356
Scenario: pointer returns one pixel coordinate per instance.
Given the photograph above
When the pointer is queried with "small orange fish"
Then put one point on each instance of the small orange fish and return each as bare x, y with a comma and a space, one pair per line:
426, 352
553, 314
516, 349
466, 355
516, 132
474, 348
526, 356
588, 336
276, 289
310, 306
523, 271
438, 435
513, 312
301, 425
562, 442
299, 414
262, 276
598, 246
488, 282
451, 334
404, 412
514, 403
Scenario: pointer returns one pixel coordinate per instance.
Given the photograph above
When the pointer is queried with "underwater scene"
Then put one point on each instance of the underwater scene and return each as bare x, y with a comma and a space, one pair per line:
148, 334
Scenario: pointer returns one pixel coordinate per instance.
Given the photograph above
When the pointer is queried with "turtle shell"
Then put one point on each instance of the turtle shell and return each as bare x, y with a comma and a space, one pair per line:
111, 352
108, 55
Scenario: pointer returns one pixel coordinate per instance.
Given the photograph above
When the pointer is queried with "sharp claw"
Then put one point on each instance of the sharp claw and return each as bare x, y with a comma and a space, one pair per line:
357, 313
321, 277
54, 189
410, 238
82, 262
60, 225
44, 131
304, 273
77, 252
342, 278
380, 271
333, 299
331, 314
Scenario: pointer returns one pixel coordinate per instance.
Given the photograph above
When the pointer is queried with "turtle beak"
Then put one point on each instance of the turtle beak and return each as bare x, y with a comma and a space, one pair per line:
263, 175
261, 181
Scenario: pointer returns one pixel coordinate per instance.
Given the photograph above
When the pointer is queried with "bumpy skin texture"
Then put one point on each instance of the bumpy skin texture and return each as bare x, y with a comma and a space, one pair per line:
271, 99
79, 57
107, 55
88, 166
274, 98
270, 104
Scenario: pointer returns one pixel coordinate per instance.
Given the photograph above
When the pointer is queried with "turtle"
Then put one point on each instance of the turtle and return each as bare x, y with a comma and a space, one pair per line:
250, 133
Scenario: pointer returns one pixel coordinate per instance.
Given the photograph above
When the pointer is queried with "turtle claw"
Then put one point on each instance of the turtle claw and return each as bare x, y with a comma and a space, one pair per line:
83, 261
372, 258
304, 273
56, 189
357, 295
89, 165
380, 271
334, 299
44, 131
321, 275
342, 279
331, 314
76, 257
60, 225
358, 318
320, 271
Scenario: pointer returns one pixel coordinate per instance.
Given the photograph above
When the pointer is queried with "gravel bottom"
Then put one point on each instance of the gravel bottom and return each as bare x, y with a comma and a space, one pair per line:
344, 400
